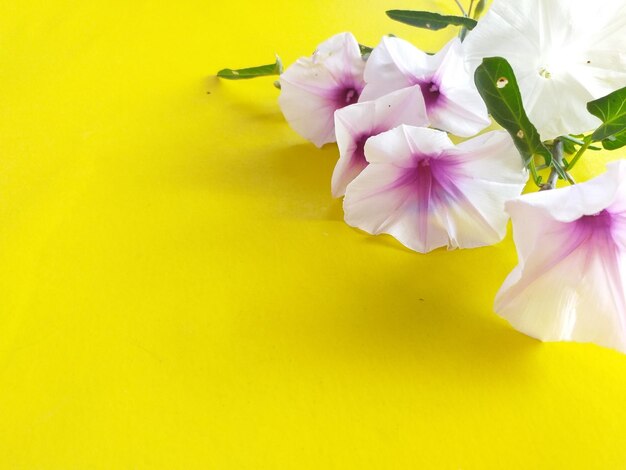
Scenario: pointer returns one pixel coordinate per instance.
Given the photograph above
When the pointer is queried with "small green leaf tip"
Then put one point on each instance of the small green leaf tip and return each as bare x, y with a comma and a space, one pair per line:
429, 20
480, 7
365, 50
252, 72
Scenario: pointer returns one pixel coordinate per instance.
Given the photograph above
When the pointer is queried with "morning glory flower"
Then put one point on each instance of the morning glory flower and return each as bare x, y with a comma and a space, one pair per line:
570, 284
358, 122
452, 100
313, 88
428, 193
564, 53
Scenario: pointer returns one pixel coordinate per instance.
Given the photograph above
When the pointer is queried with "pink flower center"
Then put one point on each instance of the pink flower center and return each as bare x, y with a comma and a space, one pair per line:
346, 95
596, 231
428, 185
430, 90
599, 222
431, 180
358, 157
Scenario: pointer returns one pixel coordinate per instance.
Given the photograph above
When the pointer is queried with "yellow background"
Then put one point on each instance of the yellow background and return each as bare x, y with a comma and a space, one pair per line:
178, 289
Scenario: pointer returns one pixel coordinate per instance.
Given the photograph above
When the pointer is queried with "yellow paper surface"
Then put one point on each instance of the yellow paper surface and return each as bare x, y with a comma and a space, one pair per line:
178, 289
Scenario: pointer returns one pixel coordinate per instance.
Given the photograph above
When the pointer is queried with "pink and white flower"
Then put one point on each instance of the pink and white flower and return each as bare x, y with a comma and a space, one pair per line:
313, 88
570, 284
428, 193
355, 124
452, 100
564, 53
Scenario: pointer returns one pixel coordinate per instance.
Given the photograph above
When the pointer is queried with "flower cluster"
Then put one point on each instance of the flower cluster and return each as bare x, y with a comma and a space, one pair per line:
553, 81
397, 168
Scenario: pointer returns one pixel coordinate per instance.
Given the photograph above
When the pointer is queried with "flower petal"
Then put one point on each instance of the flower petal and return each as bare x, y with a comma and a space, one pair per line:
572, 202
395, 64
313, 88
358, 122
561, 59
460, 109
570, 283
452, 100
569, 290
425, 192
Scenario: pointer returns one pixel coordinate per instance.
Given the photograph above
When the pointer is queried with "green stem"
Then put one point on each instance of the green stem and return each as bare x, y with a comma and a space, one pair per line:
579, 154
576, 141
557, 160
463, 31
533, 172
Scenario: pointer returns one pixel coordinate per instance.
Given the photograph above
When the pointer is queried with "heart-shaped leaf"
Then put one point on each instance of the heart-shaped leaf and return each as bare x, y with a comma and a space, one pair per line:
611, 109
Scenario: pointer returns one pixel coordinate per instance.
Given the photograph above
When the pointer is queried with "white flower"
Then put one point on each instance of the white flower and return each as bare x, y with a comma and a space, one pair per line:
313, 88
358, 122
564, 53
452, 100
570, 284
428, 193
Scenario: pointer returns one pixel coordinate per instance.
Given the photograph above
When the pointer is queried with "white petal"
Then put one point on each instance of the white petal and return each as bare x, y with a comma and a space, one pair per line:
404, 106
494, 157
460, 108
339, 54
572, 202
562, 59
399, 145
307, 113
395, 64
462, 114
313, 88
453, 103
357, 123
496, 174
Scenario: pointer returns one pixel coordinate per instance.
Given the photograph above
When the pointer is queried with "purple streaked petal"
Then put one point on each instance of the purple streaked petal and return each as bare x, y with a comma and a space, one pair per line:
452, 101
355, 124
571, 289
315, 87
395, 64
570, 282
431, 91
420, 188
460, 108
398, 146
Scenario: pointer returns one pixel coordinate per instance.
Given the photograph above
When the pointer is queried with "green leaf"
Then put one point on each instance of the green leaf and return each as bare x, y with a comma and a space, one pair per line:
480, 7
252, 72
365, 50
559, 169
429, 20
498, 87
615, 142
611, 109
